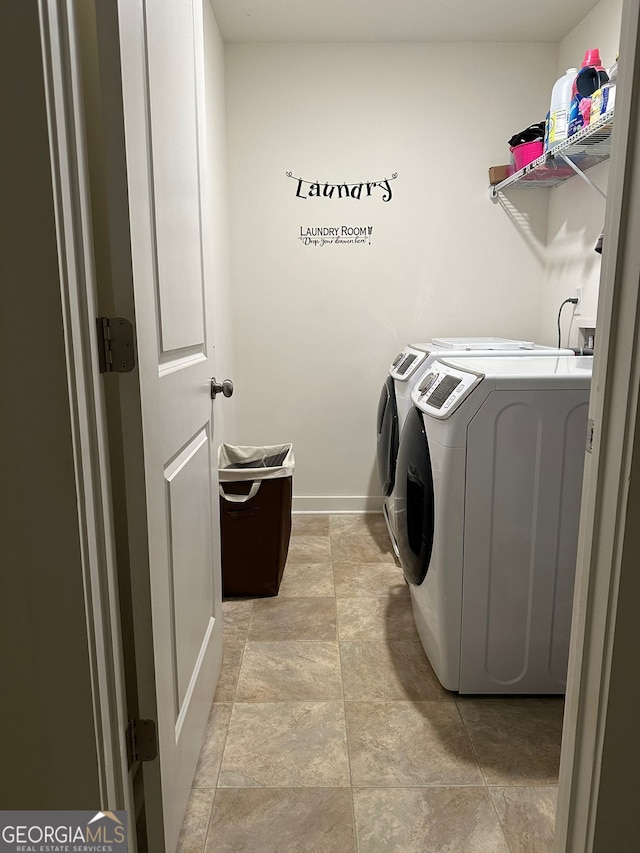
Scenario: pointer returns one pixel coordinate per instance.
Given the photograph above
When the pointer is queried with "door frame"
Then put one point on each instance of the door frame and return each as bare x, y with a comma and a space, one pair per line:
86, 397
600, 753
110, 33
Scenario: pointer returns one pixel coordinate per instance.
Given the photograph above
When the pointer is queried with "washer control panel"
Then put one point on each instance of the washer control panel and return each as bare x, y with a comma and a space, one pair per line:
443, 388
406, 363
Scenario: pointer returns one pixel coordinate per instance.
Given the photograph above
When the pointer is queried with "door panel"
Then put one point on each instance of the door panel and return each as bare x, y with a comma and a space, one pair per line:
154, 132
520, 540
171, 70
191, 558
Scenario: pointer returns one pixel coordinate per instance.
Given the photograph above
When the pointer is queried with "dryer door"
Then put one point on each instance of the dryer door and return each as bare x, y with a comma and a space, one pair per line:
414, 499
387, 436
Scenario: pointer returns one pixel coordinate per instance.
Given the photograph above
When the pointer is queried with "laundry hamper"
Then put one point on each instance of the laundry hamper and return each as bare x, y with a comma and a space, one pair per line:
255, 517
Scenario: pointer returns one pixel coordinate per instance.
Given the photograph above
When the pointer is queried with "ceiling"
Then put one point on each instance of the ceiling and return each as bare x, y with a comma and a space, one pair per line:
398, 20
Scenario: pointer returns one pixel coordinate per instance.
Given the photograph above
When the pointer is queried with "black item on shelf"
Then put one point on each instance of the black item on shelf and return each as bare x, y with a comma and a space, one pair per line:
589, 80
530, 134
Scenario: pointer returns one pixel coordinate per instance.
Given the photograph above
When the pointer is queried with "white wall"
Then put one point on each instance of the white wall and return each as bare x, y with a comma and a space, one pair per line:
316, 327
217, 238
576, 212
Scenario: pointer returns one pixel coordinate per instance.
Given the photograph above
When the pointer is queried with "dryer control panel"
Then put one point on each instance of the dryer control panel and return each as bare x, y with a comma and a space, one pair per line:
443, 388
407, 362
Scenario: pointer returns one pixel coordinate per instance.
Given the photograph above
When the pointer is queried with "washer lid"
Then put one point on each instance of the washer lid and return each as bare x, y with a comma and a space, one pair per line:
529, 372
483, 343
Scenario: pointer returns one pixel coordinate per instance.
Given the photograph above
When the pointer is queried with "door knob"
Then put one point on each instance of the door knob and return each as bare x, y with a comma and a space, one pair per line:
226, 388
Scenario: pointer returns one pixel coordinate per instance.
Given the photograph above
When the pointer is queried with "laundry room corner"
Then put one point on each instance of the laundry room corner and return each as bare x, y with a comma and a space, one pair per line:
360, 221
576, 210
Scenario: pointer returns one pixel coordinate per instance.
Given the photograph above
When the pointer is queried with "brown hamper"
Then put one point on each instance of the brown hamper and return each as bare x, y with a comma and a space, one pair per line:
255, 534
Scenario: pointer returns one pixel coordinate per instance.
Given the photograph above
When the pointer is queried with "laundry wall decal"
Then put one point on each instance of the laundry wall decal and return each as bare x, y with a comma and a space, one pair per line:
362, 189
329, 235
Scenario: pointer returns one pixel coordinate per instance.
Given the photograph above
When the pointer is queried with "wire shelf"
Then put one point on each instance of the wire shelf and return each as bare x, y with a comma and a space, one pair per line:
587, 148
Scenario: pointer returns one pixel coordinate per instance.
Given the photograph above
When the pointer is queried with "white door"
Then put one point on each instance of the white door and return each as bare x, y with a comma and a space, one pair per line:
158, 225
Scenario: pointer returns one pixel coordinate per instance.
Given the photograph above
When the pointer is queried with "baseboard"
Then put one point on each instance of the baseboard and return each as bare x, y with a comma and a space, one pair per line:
336, 503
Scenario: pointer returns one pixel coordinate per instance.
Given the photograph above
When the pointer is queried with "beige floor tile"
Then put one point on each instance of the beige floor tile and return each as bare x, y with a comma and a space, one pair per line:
517, 739
286, 745
212, 747
231, 660
301, 580
391, 669
289, 671
196, 821
427, 820
361, 548
370, 524
309, 549
302, 820
276, 619
236, 614
527, 816
309, 524
384, 618
406, 744
353, 580
284, 748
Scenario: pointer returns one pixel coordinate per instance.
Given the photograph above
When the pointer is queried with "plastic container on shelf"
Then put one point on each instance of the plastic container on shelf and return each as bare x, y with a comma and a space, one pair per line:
526, 153
545, 145
591, 77
527, 145
559, 109
603, 99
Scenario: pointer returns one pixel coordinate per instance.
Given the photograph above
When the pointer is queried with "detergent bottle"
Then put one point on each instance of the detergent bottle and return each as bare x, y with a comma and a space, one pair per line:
559, 109
591, 77
603, 99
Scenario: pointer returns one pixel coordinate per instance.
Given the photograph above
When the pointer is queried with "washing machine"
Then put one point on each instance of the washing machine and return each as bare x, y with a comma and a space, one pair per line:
395, 397
487, 507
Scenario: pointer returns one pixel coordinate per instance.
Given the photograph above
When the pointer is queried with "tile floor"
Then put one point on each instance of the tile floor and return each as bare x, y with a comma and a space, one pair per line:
330, 733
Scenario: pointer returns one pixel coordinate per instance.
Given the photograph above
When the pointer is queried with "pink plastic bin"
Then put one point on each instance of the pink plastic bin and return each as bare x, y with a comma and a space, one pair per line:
526, 153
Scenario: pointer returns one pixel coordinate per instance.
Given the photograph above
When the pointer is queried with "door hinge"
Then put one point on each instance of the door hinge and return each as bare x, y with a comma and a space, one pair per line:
115, 345
142, 742
590, 429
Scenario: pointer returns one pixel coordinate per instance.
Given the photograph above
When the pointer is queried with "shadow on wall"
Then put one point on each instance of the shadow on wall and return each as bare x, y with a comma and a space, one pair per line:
577, 210
528, 221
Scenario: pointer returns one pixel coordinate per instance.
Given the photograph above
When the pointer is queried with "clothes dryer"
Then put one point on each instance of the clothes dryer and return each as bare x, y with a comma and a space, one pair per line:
395, 398
487, 503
